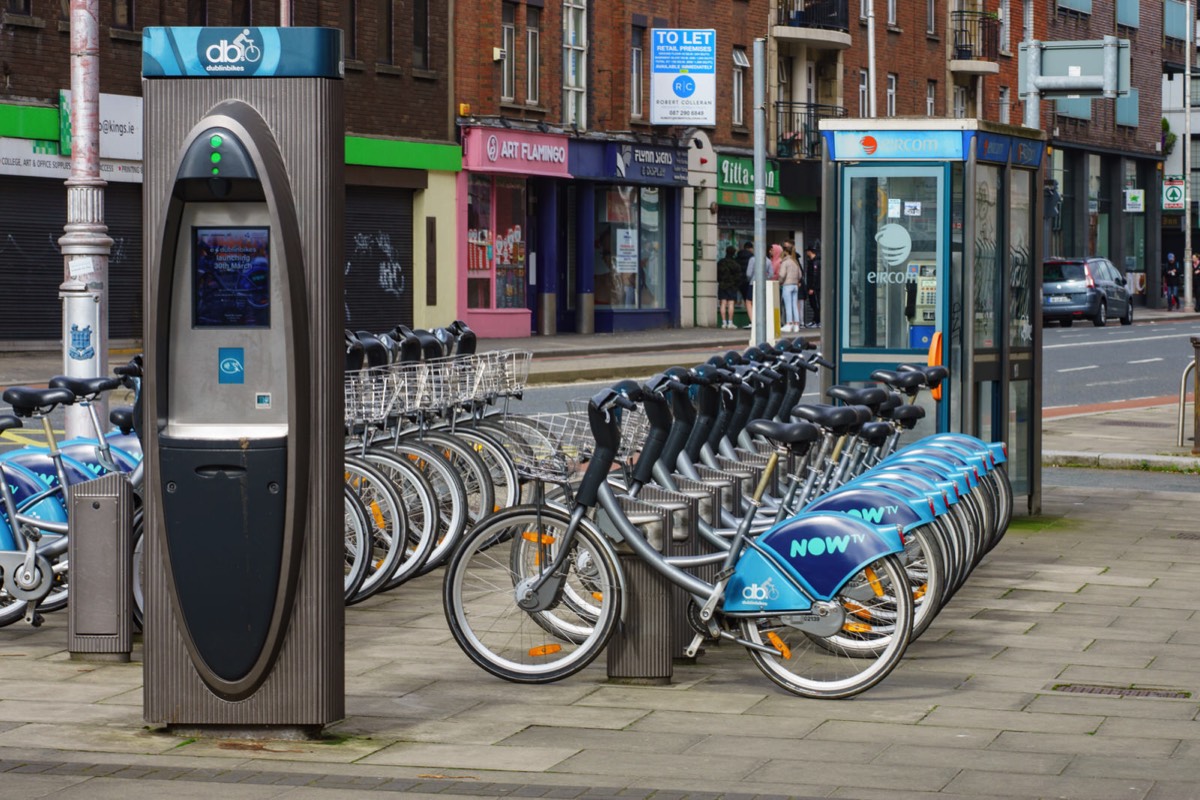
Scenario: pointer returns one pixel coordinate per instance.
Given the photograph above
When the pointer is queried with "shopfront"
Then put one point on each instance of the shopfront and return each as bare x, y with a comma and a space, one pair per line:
623, 220
792, 217
507, 220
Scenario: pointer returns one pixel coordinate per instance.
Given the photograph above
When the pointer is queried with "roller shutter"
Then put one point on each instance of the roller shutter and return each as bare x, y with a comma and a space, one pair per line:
379, 258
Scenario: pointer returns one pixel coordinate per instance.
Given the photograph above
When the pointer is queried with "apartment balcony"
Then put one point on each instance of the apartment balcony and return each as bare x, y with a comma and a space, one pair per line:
796, 133
820, 24
975, 43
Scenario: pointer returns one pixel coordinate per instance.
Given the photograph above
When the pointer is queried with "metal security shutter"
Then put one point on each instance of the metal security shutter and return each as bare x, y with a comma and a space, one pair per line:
379, 258
34, 211
123, 215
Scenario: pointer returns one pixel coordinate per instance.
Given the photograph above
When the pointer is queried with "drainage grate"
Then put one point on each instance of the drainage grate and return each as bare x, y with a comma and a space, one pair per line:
1118, 691
1188, 535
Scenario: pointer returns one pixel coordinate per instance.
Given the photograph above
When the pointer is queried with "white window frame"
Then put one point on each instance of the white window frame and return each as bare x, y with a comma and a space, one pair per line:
741, 65
864, 106
1005, 14
862, 8
636, 68
891, 12
960, 102
1005, 104
893, 82
931, 98
533, 57
508, 43
931, 16
575, 47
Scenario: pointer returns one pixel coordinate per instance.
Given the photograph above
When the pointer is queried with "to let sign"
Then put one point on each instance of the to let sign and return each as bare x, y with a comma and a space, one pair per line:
683, 76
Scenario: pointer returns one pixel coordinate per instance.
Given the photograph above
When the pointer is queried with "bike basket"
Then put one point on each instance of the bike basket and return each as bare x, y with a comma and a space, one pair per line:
562, 443
445, 383
370, 396
633, 424
514, 366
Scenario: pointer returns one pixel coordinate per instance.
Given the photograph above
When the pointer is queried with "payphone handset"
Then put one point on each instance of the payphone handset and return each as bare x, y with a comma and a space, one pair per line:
231, 433
926, 305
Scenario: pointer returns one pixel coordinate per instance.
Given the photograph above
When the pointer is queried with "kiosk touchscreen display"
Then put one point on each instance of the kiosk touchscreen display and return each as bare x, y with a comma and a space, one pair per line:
231, 277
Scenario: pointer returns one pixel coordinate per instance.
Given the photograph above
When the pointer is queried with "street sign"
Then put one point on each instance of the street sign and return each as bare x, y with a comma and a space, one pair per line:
1072, 61
683, 76
1173, 189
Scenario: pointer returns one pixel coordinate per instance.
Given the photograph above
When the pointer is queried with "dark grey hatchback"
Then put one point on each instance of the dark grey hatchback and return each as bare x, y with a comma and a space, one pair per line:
1084, 288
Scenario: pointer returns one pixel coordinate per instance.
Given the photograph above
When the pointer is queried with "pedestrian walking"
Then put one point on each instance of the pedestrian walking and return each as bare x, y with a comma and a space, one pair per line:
789, 280
812, 284
746, 258
1174, 278
730, 275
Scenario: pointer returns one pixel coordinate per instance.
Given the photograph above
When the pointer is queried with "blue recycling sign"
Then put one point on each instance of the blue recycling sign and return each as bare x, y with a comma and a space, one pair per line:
683, 76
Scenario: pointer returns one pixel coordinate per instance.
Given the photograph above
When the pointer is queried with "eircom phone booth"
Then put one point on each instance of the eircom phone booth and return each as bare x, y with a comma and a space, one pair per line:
932, 254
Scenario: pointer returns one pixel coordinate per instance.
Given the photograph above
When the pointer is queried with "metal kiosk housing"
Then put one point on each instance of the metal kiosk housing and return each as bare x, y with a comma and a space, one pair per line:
243, 199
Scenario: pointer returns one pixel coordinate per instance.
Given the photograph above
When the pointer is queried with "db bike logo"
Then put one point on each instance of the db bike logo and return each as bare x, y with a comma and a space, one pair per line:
237, 55
760, 593
232, 366
869, 145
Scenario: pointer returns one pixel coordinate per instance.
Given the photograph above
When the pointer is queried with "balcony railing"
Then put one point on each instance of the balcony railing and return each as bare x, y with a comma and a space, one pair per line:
976, 36
796, 134
831, 15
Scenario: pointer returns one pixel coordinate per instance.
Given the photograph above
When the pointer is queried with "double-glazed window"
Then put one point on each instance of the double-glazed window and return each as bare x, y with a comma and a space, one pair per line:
575, 63
741, 65
508, 41
893, 82
931, 98
533, 55
863, 94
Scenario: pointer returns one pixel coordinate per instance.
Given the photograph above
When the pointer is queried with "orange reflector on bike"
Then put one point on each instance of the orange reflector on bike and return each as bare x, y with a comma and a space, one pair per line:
919, 592
544, 650
598, 597
856, 627
778, 644
856, 610
873, 579
377, 513
532, 536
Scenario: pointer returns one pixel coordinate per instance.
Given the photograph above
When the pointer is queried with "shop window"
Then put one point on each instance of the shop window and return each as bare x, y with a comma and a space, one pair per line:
495, 242
630, 248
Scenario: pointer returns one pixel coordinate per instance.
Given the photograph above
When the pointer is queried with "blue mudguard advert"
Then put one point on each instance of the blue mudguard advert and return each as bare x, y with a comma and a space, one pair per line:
877, 506
33, 500
808, 557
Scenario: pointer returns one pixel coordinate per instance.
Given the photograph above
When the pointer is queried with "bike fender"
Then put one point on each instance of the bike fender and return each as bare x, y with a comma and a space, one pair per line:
26, 486
84, 451
40, 463
996, 452
875, 505
811, 555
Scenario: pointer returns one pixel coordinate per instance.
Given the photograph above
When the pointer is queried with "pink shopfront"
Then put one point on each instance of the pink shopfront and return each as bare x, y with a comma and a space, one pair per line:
509, 235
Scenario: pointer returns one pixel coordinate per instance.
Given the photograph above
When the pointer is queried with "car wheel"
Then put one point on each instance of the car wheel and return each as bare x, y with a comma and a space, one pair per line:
1066, 323
1128, 318
1101, 318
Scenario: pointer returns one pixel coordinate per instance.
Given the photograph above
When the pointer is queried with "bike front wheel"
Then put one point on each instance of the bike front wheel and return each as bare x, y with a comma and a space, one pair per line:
481, 587
832, 668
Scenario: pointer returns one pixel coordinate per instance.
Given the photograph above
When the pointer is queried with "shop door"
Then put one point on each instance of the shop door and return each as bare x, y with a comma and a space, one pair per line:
893, 272
379, 268
31, 264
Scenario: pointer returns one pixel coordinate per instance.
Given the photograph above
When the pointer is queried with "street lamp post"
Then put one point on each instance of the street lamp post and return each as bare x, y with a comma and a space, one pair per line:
85, 243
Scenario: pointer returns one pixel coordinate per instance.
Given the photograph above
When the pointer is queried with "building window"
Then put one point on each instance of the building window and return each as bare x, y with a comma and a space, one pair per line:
960, 102
863, 105
533, 55
931, 16
123, 14
635, 71
931, 99
239, 11
862, 8
22, 7
350, 27
420, 54
1026, 20
197, 13
892, 81
740, 65
508, 43
1005, 12
891, 12
387, 24
1005, 104
575, 63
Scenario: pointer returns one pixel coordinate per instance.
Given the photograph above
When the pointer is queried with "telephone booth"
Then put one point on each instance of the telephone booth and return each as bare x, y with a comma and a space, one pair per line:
931, 253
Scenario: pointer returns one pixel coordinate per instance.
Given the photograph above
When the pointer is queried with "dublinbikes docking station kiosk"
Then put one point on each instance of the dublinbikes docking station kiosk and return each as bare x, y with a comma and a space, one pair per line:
931, 246
242, 402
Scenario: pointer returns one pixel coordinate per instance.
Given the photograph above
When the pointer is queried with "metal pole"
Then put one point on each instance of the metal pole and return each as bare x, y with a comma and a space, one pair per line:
285, 13
871, 58
760, 190
1033, 97
85, 243
1187, 160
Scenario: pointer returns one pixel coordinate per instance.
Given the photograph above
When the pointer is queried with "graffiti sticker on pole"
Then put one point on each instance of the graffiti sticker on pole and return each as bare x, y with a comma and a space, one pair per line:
683, 82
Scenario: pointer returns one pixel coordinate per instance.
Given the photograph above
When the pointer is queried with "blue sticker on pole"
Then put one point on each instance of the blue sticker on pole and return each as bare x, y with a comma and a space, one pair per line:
231, 365
683, 76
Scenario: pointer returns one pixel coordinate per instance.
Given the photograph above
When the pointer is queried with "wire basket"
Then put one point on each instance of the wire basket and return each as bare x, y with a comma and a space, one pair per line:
444, 383
371, 395
513, 370
563, 443
632, 423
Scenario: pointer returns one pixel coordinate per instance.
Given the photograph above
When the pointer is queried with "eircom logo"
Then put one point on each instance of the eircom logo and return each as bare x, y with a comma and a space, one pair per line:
239, 54
821, 545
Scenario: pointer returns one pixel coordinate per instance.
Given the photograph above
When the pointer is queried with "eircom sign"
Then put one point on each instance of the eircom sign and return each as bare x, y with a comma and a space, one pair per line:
683, 76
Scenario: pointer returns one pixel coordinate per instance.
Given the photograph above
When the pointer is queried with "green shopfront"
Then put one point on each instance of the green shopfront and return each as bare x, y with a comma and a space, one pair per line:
792, 217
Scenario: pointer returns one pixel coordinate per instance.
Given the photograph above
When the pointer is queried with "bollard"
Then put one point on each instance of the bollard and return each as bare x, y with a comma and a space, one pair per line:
640, 650
1196, 399
99, 626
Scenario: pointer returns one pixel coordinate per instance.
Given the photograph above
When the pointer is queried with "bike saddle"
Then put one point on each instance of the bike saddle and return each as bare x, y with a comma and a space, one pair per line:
8, 422
934, 375
122, 418
85, 388
876, 434
784, 432
410, 345
27, 401
835, 419
431, 347
908, 382
870, 396
466, 337
894, 401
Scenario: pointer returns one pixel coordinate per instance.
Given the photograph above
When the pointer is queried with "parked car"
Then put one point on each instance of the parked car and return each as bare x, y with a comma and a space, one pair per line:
1084, 288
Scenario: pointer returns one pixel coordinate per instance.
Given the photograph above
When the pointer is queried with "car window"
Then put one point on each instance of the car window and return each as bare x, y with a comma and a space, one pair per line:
1104, 270
1062, 271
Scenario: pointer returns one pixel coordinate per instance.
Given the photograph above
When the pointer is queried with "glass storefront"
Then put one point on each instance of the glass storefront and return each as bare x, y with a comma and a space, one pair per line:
630, 247
988, 243
495, 242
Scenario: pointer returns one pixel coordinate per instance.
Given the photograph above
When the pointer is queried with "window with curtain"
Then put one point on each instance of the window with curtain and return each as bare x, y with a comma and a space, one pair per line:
533, 55
574, 79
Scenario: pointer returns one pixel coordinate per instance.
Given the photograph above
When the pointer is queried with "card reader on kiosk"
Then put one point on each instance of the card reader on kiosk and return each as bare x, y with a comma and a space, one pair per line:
231, 427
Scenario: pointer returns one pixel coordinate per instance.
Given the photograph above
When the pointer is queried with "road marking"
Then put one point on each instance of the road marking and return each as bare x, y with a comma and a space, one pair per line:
1145, 361
1077, 369
1114, 383
1122, 341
